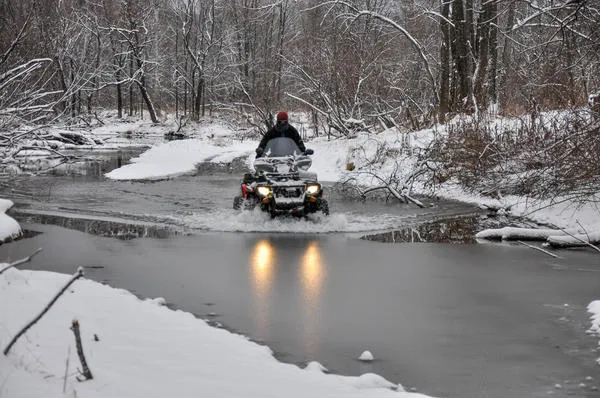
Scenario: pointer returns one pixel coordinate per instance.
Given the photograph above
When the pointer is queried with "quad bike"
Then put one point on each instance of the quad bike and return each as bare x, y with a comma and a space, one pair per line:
281, 184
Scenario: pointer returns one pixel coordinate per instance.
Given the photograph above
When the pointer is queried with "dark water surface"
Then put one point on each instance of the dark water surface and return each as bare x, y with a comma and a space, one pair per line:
449, 320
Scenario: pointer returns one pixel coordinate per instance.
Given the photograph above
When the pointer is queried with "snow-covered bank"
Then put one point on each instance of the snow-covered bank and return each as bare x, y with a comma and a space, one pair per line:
144, 350
9, 227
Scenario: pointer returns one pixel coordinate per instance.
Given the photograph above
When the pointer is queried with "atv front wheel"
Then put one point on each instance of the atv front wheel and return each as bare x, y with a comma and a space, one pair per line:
324, 207
237, 202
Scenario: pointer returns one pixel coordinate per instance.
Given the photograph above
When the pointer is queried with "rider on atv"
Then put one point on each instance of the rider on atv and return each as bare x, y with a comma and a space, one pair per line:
281, 129
281, 183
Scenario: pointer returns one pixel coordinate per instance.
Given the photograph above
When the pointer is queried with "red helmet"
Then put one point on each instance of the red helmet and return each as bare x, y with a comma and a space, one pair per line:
282, 116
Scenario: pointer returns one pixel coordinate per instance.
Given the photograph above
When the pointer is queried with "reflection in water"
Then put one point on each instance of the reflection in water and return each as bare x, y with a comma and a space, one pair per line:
268, 275
311, 275
262, 266
453, 230
312, 270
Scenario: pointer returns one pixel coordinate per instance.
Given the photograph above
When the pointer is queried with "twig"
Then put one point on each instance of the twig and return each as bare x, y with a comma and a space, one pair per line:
589, 242
21, 261
66, 369
538, 248
77, 275
86, 370
394, 191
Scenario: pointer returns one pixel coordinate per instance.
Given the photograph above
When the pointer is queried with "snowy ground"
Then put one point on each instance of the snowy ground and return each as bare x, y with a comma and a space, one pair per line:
141, 341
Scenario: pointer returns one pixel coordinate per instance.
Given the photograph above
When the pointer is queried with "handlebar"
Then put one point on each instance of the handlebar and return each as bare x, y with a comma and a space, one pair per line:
260, 152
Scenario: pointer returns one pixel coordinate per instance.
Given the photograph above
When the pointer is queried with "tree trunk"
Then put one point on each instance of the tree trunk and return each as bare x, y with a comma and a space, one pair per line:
131, 88
198, 99
493, 48
281, 32
74, 94
119, 101
445, 62
483, 41
147, 100
507, 67
460, 53
176, 75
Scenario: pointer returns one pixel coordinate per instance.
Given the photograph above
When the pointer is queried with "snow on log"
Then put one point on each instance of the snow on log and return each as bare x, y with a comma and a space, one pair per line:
514, 233
594, 308
574, 240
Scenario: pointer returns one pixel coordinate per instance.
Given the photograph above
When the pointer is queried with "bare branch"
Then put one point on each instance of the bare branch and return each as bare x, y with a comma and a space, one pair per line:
21, 261
77, 275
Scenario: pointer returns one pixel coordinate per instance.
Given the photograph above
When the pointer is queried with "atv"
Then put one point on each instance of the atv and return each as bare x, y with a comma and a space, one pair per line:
281, 184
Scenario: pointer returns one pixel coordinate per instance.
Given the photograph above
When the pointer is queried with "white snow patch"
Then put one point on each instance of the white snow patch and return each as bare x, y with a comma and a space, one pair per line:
594, 309
159, 301
9, 227
371, 380
315, 366
178, 158
508, 233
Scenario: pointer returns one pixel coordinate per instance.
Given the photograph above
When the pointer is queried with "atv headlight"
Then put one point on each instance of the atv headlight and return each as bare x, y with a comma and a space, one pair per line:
263, 191
313, 189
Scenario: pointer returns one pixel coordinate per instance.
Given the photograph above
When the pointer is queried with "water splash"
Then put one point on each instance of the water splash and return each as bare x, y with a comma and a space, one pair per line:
225, 220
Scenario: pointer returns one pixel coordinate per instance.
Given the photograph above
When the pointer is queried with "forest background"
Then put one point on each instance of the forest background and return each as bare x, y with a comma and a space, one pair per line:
350, 65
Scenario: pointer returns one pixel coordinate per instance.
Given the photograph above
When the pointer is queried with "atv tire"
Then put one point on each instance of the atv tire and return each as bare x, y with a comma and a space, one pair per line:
237, 202
324, 207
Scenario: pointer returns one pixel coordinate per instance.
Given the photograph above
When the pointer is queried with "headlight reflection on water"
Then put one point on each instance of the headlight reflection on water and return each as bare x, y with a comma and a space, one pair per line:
310, 273
261, 275
262, 265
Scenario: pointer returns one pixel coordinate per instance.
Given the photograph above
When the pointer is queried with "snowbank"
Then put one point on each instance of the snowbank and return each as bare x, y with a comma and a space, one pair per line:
144, 349
9, 228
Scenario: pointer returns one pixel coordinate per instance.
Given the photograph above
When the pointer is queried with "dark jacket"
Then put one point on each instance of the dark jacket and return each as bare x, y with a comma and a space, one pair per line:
282, 130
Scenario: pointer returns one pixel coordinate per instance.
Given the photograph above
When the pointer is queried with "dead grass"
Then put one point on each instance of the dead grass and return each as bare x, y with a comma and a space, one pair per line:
539, 157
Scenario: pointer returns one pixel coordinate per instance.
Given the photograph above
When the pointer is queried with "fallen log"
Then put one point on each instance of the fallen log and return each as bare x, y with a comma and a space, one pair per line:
515, 233
574, 240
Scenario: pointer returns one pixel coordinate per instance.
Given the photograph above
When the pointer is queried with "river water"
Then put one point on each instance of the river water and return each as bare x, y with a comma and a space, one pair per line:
452, 320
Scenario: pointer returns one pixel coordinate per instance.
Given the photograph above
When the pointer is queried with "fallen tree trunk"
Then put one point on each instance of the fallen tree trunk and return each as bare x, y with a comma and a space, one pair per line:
574, 240
514, 233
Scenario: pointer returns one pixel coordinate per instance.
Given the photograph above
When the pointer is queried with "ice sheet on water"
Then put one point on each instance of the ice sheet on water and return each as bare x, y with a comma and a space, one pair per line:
225, 220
